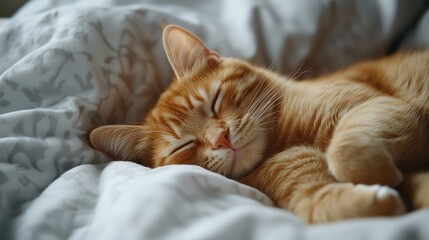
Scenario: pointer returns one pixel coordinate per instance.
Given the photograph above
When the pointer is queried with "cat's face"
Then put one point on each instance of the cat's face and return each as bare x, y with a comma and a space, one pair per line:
218, 120
218, 114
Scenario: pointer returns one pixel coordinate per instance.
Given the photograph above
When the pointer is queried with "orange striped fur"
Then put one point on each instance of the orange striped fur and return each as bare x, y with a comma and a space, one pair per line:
329, 148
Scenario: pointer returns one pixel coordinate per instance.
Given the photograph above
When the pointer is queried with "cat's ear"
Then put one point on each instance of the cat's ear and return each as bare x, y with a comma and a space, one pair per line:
122, 142
185, 51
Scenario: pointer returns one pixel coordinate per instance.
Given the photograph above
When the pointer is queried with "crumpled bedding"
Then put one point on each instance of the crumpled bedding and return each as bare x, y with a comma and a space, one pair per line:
69, 66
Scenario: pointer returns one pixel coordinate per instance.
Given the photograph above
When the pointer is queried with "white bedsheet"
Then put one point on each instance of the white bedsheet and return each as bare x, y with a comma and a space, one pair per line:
69, 66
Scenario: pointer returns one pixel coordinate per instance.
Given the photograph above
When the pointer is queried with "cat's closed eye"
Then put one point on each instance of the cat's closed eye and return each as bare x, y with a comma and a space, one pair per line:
181, 147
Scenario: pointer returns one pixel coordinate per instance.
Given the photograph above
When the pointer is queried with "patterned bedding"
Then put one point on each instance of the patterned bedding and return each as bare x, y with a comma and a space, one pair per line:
69, 66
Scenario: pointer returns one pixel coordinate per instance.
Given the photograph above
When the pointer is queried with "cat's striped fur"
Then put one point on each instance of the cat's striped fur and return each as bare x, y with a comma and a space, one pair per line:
317, 147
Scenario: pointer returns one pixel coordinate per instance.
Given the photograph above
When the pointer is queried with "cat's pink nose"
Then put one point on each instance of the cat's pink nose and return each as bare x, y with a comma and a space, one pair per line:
222, 140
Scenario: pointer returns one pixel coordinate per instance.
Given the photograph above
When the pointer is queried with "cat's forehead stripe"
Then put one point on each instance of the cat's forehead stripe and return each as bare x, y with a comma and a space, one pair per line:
239, 91
215, 86
236, 74
169, 138
174, 127
172, 108
252, 84
202, 93
194, 101
219, 100
208, 109
170, 123
183, 101
235, 69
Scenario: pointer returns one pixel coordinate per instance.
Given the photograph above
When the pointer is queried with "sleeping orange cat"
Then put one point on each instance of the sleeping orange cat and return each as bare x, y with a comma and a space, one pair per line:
328, 148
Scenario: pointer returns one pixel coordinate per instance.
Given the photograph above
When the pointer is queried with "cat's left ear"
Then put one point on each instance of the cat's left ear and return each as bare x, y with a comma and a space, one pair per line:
186, 52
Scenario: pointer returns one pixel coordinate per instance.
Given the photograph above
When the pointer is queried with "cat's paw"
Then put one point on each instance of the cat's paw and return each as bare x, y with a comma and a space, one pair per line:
381, 200
360, 163
339, 201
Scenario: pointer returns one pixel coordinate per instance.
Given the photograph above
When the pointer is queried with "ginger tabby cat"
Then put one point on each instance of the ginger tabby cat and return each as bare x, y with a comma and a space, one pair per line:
326, 148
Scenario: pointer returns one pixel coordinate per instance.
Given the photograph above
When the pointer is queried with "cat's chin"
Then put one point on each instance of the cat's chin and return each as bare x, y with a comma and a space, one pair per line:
239, 152
246, 158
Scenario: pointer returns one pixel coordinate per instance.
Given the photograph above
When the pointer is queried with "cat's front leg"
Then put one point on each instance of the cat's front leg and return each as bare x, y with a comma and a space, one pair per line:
298, 180
371, 140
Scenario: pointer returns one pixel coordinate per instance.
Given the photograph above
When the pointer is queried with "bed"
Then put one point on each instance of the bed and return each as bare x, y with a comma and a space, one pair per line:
69, 66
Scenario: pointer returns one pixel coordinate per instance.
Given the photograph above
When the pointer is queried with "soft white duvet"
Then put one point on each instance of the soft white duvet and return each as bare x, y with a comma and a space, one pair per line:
68, 66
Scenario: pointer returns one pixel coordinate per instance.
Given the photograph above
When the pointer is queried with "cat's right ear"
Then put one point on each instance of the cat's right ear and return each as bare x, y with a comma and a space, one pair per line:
185, 51
122, 142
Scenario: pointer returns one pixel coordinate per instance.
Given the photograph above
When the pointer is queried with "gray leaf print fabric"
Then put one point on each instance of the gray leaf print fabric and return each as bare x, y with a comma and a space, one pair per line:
69, 66
64, 73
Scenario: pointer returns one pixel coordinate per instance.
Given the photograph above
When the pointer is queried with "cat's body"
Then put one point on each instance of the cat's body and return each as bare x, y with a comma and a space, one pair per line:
386, 99
310, 145
359, 122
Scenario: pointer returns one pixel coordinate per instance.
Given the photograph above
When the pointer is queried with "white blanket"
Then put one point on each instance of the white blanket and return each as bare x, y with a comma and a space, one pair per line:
69, 66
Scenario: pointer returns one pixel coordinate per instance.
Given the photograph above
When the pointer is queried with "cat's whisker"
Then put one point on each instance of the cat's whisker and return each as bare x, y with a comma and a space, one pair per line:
267, 120
293, 74
212, 163
217, 167
271, 66
268, 94
265, 107
152, 131
297, 73
256, 107
269, 105
263, 123
259, 100
258, 92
